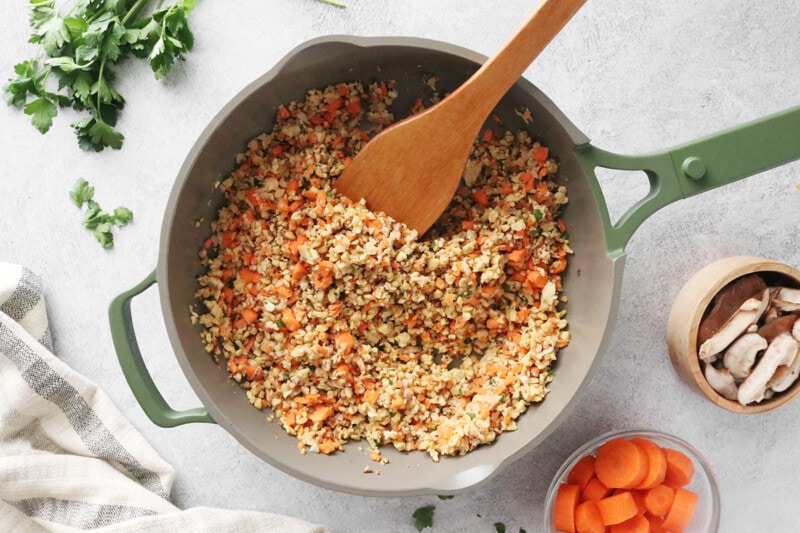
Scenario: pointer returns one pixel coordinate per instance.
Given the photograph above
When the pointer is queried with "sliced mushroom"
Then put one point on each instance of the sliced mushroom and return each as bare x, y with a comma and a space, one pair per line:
740, 356
781, 351
722, 381
785, 375
780, 325
748, 314
727, 302
796, 329
786, 299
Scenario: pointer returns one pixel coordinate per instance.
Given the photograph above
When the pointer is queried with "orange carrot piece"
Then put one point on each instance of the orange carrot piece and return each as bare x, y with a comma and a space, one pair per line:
595, 490
249, 315
320, 413
582, 472
617, 508
344, 342
620, 464
323, 275
588, 519
289, 320
540, 154
658, 500
249, 276
480, 197
526, 179
656, 523
636, 524
680, 468
564, 507
656, 463
682, 510
299, 271
516, 256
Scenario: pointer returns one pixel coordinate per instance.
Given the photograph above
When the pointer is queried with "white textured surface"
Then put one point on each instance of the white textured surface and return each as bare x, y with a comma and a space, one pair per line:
634, 76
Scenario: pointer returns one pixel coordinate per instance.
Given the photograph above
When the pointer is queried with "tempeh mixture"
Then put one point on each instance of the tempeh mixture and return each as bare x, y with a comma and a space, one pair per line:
347, 324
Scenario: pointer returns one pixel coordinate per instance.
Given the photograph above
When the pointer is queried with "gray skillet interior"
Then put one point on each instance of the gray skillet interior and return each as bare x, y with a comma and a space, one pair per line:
591, 281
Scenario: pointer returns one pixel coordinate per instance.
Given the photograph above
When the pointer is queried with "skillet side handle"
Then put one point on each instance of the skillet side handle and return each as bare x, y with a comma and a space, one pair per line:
693, 168
136, 373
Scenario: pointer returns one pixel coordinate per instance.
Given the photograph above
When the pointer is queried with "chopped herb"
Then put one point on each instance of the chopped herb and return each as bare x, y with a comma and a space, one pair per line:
471, 416
538, 215
99, 222
280, 324
500, 527
285, 377
81, 47
448, 497
423, 517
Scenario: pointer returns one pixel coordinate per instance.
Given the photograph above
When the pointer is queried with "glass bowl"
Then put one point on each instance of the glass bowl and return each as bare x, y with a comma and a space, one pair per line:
704, 484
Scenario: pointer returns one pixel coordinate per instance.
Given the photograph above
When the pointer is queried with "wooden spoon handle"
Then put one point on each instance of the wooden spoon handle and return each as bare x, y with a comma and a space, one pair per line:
488, 85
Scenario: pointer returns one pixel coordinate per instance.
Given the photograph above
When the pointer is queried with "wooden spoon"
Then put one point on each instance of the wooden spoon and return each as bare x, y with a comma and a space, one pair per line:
410, 171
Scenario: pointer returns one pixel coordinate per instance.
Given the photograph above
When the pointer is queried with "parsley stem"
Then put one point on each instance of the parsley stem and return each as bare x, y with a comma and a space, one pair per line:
332, 3
133, 12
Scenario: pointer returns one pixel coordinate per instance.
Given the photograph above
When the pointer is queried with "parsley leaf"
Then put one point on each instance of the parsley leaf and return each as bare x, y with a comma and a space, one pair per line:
500, 527
423, 517
99, 222
42, 111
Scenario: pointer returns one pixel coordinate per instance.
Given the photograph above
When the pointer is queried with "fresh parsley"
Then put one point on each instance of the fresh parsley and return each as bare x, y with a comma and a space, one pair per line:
423, 517
99, 222
81, 42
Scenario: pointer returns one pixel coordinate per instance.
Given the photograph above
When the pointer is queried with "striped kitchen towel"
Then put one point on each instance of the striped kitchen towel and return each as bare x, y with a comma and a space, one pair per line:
69, 460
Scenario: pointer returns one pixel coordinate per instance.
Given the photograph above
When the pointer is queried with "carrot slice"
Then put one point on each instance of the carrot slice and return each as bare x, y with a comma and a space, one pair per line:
588, 519
658, 500
564, 507
681, 511
656, 463
636, 524
582, 472
594, 490
620, 463
617, 508
656, 523
680, 468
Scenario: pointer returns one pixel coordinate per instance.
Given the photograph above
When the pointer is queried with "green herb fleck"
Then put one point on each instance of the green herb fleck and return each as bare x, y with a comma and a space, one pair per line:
423, 517
538, 215
280, 324
447, 497
471, 416
99, 222
500, 527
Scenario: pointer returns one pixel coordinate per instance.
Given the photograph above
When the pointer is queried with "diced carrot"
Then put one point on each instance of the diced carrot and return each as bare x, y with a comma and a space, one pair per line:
283, 113
636, 524
467, 224
488, 135
480, 197
540, 154
526, 179
680, 468
253, 373
541, 192
283, 291
564, 507
249, 315
595, 490
299, 271
249, 276
342, 89
229, 238
582, 472
335, 308
506, 188
353, 107
658, 500
681, 511
292, 324
320, 413
656, 463
292, 186
536, 278
327, 447
516, 256
617, 508
588, 519
247, 257
344, 342
371, 396
561, 226
620, 463
323, 275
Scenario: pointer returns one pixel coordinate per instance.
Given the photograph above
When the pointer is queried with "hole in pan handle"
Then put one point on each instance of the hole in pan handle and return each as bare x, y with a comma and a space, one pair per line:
136, 373
693, 168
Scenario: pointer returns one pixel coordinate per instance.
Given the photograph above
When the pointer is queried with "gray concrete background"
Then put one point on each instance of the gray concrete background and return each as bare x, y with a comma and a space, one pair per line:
634, 76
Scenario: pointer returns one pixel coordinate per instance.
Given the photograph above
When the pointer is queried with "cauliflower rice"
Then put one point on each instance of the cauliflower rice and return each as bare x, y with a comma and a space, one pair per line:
347, 324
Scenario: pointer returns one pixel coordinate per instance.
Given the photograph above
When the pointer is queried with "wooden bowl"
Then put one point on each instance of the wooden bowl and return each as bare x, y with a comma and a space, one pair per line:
690, 307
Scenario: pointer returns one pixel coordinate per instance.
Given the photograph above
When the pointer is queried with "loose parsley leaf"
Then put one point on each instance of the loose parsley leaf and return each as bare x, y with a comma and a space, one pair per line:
423, 517
500, 527
95, 219
448, 497
42, 111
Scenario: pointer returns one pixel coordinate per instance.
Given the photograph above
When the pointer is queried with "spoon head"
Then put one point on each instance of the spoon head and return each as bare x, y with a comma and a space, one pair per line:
411, 170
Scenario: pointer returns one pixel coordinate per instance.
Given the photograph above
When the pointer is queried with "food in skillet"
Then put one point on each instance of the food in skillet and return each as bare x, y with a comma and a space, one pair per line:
348, 325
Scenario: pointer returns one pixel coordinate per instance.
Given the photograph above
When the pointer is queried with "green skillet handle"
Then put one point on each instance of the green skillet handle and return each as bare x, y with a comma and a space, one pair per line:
130, 359
693, 168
